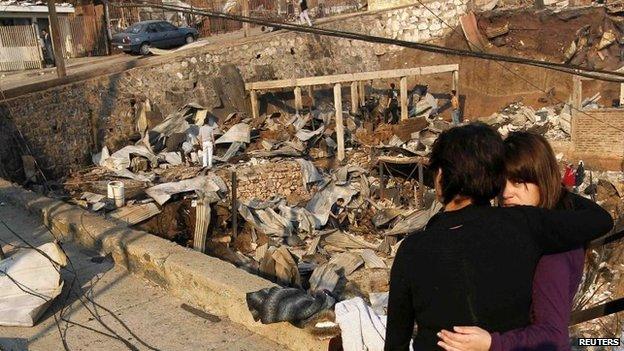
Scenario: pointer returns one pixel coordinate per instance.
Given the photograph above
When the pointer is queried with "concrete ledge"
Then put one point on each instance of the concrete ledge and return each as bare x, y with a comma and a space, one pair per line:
207, 282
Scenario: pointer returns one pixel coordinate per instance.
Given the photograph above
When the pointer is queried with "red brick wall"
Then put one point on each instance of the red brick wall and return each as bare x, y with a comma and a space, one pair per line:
599, 132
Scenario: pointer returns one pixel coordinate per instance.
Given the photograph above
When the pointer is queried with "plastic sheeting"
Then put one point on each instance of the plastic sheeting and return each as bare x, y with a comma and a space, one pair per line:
34, 273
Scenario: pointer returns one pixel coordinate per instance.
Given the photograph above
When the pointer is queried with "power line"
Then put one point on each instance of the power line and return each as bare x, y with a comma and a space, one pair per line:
454, 29
73, 272
566, 68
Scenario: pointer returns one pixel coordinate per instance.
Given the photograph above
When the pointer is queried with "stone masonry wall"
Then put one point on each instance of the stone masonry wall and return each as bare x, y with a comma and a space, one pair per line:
592, 133
264, 180
64, 125
411, 23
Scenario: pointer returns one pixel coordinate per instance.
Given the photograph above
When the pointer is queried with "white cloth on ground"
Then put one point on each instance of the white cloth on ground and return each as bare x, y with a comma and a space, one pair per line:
362, 329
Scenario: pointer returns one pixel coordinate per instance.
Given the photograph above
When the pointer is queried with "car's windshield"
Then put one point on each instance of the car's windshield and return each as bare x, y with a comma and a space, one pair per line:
134, 29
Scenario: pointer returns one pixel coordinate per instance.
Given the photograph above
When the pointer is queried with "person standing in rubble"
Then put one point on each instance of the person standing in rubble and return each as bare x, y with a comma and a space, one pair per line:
338, 215
206, 137
579, 177
455, 113
533, 179
303, 14
48, 52
474, 263
392, 108
569, 177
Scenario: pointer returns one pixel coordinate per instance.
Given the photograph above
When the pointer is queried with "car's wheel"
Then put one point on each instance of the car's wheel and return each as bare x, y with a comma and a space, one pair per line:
144, 49
189, 39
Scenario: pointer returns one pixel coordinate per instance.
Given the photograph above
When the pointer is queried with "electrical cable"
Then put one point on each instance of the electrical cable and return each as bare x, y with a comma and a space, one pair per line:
454, 29
72, 270
572, 69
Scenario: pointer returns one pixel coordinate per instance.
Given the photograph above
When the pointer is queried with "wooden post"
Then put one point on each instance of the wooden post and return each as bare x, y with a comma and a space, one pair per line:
354, 97
109, 35
382, 183
234, 210
421, 185
59, 62
621, 94
455, 82
362, 93
339, 123
202, 222
577, 92
246, 14
298, 100
255, 110
311, 95
403, 86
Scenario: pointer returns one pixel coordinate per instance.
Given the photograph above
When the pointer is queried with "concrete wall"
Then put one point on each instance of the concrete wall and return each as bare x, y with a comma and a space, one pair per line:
599, 133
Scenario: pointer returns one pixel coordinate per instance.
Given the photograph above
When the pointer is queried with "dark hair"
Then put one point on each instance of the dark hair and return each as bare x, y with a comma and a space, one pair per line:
392, 85
530, 159
471, 158
453, 91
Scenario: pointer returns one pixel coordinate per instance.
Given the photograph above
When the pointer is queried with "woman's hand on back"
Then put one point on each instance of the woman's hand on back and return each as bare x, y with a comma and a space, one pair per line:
465, 339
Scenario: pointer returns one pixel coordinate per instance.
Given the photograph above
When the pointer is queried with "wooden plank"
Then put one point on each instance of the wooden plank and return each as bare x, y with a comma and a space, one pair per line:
255, 110
621, 94
354, 97
362, 93
350, 77
339, 122
298, 100
455, 82
403, 87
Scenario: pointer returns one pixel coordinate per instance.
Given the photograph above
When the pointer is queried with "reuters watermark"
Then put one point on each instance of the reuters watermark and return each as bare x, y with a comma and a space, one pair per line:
597, 342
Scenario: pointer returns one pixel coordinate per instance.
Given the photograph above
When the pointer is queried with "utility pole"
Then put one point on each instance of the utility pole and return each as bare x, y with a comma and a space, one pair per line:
56, 40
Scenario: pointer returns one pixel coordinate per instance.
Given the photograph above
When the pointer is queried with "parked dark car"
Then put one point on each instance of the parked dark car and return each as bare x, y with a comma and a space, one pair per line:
139, 37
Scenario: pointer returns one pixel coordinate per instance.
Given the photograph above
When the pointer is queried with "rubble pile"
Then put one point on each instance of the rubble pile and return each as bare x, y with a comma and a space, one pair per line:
552, 122
287, 181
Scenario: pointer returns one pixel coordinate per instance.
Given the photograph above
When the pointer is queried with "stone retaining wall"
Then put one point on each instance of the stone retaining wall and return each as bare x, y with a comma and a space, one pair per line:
62, 126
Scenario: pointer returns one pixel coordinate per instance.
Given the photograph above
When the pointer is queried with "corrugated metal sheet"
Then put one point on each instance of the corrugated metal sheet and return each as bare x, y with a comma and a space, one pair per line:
136, 213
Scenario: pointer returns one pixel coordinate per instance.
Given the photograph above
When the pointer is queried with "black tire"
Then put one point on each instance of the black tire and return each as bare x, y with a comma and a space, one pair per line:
189, 39
144, 49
